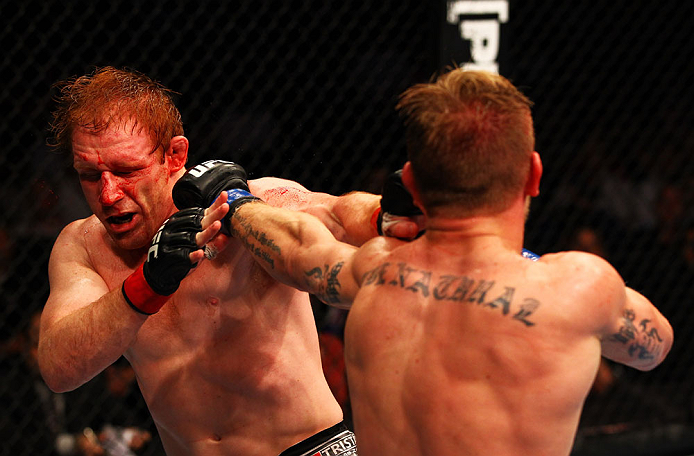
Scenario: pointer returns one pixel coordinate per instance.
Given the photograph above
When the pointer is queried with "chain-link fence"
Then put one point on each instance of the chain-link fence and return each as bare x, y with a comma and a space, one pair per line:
306, 90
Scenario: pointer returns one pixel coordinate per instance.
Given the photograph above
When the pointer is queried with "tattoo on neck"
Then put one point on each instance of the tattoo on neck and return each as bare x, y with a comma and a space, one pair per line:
452, 288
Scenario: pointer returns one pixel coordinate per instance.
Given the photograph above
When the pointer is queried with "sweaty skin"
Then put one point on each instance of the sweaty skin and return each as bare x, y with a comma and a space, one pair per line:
455, 344
231, 363
490, 353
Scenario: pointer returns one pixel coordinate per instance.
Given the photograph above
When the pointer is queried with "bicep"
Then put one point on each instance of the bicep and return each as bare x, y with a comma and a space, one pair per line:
347, 216
630, 328
638, 335
73, 283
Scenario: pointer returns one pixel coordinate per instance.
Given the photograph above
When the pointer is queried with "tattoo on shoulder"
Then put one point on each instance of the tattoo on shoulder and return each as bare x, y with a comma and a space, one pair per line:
642, 339
258, 242
455, 288
325, 280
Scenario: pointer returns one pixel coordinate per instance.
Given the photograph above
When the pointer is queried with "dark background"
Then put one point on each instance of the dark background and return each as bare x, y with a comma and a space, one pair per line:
306, 90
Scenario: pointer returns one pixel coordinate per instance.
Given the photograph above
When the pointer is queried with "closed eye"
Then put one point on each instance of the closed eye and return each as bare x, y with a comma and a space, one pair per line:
89, 176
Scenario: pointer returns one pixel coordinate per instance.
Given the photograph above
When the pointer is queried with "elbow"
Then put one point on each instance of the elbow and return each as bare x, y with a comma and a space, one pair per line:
55, 385
53, 376
667, 344
668, 338
57, 382
53, 381
659, 355
648, 366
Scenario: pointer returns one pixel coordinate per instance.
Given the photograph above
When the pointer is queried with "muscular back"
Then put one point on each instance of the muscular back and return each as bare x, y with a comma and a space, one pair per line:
448, 354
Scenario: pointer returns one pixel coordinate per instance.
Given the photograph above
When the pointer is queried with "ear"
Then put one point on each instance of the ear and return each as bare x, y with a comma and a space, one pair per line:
410, 184
532, 186
177, 153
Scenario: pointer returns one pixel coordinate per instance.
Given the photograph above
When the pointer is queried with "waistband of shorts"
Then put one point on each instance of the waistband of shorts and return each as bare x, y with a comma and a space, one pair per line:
315, 440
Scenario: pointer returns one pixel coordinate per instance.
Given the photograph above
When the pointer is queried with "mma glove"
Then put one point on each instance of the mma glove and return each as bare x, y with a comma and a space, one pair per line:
168, 262
396, 205
200, 186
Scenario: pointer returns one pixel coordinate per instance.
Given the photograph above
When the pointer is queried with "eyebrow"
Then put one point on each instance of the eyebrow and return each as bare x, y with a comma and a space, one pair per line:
81, 165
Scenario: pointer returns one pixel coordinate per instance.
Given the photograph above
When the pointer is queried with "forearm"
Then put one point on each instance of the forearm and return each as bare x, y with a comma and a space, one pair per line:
77, 347
277, 238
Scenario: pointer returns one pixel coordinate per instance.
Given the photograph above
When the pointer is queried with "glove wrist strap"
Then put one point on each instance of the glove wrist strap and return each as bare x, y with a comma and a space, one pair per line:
530, 255
237, 197
140, 296
236, 194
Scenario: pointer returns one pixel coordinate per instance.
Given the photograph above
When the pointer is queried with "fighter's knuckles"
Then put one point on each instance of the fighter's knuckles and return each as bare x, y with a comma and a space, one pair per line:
201, 185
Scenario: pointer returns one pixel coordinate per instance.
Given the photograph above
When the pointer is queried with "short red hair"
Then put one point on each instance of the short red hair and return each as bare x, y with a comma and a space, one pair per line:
111, 96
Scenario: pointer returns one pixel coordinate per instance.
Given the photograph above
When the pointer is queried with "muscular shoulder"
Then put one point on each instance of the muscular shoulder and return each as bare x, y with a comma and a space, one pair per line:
373, 253
589, 279
293, 196
78, 242
76, 233
281, 192
580, 265
71, 252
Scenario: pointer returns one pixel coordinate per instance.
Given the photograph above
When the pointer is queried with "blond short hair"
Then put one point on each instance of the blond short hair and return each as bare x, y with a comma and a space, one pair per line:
470, 139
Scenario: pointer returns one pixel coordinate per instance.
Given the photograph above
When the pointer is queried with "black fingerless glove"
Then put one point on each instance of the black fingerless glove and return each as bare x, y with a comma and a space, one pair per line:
396, 203
200, 186
168, 262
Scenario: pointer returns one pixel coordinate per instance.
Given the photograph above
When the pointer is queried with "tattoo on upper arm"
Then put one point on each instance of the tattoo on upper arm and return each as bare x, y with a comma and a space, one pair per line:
258, 242
642, 339
453, 288
325, 282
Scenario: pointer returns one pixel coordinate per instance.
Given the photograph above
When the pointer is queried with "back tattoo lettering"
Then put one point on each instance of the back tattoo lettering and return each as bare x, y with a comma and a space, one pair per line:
453, 288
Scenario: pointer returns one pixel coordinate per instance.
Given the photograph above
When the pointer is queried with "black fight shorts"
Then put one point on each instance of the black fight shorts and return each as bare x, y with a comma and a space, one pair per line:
334, 441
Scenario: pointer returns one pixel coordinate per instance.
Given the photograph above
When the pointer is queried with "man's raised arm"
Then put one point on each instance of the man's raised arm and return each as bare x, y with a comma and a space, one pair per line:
295, 248
353, 218
361, 216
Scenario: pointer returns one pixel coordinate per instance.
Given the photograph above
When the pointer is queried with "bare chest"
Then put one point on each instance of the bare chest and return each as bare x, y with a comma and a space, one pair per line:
212, 302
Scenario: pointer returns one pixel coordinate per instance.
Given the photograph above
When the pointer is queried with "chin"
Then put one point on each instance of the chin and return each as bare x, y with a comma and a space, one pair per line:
130, 241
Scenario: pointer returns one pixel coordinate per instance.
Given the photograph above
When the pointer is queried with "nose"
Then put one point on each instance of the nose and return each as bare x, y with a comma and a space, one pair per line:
110, 189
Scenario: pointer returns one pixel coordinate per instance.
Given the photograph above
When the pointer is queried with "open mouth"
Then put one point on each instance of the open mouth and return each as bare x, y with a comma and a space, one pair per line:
120, 219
